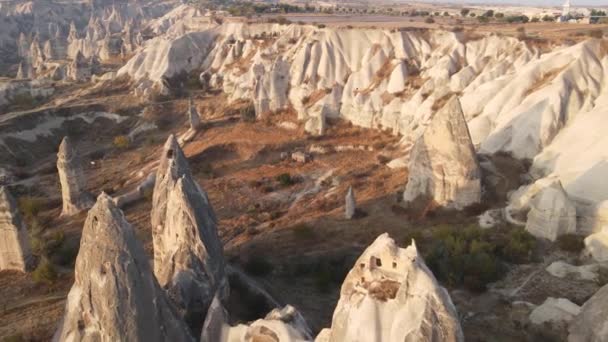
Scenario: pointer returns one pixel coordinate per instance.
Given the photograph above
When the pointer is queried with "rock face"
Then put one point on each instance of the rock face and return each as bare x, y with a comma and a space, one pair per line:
188, 255
443, 166
556, 311
591, 324
14, 245
71, 176
562, 269
173, 165
115, 296
596, 245
193, 116
551, 213
350, 205
191, 261
280, 325
390, 295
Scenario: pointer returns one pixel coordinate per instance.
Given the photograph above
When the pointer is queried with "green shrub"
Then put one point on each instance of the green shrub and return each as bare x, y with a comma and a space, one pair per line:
472, 257
571, 243
248, 113
429, 20
258, 266
45, 272
285, 179
30, 206
121, 142
14, 338
519, 246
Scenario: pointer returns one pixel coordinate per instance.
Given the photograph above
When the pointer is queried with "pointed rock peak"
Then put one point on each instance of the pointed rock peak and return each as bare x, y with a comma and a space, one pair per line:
173, 156
193, 115
443, 163
14, 245
20, 72
66, 151
188, 255
350, 204
398, 287
115, 295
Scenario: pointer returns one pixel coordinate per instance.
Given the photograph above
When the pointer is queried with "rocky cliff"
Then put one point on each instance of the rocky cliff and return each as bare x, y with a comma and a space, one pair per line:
115, 296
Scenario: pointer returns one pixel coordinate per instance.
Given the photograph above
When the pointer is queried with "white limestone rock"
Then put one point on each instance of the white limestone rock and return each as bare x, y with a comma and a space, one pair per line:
562, 269
15, 253
172, 166
551, 213
79, 69
115, 296
188, 255
556, 311
193, 116
596, 245
71, 176
315, 125
189, 260
391, 295
591, 324
443, 165
280, 325
350, 204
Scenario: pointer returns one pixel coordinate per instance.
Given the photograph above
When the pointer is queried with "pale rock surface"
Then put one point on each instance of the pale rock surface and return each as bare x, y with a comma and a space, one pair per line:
280, 325
172, 166
443, 165
15, 253
189, 261
315, 125
591, 324
188, 255
562, 269
350, 205
555, 310
395, 286
551, 213
596, 245
193, 116
71, 176
115, 296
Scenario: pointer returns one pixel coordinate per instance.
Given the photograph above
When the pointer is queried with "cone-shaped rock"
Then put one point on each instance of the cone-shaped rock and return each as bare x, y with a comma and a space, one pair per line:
193, 116
75, 198
350, 205
115, 296
173, 165
14, 245
20, 72
591, 324
443, 165
391, 295
188, 256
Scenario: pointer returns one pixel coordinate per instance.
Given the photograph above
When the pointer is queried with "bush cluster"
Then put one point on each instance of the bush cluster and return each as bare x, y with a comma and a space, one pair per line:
472, 257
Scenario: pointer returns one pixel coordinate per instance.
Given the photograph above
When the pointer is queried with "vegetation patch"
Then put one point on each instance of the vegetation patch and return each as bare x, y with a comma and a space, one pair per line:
472, 257
571, 243
258, 266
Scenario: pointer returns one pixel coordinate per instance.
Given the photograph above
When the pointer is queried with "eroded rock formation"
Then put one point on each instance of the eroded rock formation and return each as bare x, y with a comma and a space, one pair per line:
115, 296
551, 213
591, 324
390, 295
189, 261
15, 251
350, 204
71, 176
443, 166
188, 255
280, 325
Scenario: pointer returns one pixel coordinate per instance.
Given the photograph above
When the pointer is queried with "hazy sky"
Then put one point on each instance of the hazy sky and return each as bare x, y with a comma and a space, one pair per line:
574, 3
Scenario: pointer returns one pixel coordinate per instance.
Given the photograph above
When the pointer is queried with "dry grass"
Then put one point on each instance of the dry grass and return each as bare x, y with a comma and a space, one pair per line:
545, 79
